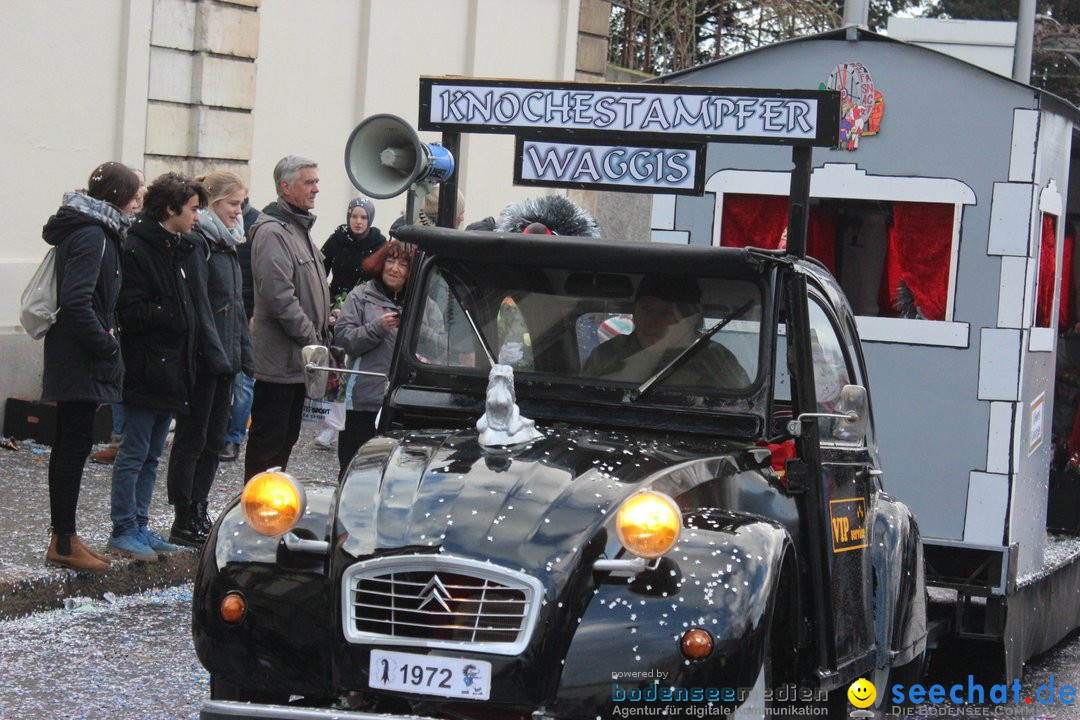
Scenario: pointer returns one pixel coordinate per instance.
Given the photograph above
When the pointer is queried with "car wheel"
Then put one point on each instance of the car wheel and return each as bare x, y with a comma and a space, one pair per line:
880, 678
223, 690
756, 706
907, 675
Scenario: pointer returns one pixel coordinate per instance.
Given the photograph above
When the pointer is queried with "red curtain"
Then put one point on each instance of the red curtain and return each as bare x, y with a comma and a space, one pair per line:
758, 220
821, 240
1066, 314
1044, 294
753, 220
919, 254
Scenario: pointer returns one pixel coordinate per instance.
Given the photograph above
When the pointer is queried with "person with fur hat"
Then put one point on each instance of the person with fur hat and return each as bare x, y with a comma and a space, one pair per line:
548, 215
350, 244
367, 330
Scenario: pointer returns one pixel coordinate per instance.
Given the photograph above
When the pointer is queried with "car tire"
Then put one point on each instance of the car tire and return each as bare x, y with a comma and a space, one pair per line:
223, 690
765, 709
907, 675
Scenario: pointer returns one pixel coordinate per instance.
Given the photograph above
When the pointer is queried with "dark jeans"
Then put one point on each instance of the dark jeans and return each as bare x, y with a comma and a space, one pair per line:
276, 413
198, 440
136, 465
72, 441
359, 428
241, 408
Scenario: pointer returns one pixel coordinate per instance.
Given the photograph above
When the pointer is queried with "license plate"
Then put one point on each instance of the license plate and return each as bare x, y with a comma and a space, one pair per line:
430, 675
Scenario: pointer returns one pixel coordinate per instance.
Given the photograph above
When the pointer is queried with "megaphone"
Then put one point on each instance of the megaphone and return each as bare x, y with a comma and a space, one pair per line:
384, 157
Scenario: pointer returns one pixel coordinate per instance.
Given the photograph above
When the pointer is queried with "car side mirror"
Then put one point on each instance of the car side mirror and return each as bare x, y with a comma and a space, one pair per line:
847, 424
316, 361
852, 403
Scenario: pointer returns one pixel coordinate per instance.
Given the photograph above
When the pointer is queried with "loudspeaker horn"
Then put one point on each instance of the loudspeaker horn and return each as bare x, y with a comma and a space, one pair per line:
384, 157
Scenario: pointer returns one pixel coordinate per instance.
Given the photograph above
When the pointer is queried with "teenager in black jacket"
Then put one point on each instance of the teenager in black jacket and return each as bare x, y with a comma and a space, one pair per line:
158, 338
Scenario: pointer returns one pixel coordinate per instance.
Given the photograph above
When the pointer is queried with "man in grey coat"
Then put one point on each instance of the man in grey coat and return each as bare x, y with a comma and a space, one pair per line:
292, 309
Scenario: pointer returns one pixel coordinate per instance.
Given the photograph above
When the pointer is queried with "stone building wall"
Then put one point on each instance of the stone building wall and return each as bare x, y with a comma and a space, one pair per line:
201, 89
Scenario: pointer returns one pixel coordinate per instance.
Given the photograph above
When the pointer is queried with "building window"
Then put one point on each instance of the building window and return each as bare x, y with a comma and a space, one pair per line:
891, 242
1046, 282
893, 259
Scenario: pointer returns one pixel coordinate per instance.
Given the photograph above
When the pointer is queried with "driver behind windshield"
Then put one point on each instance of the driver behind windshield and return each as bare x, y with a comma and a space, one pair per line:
667, 318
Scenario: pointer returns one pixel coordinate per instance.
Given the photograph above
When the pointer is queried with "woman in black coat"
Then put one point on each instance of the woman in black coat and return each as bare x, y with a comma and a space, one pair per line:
224, 349
82, 362
351, 244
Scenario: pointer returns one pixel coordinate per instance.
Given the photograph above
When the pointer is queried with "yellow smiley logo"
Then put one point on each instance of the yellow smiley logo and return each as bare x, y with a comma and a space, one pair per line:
861, 694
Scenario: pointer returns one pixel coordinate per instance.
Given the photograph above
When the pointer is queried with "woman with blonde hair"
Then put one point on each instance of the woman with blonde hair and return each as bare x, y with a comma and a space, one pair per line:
224, 348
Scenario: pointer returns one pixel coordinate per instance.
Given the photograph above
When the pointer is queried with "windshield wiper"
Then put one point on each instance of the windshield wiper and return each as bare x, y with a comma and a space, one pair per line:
451, 283
679, 360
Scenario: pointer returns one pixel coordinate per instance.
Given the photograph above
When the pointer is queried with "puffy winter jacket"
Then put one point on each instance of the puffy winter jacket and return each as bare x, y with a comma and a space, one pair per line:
292, 299
82, 353
158, 324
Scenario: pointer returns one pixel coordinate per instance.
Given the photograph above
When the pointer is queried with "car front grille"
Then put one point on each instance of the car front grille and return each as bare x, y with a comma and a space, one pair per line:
438, 601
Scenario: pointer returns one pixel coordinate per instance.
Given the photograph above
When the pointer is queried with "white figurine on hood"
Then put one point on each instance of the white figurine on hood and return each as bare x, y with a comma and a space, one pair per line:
502, 423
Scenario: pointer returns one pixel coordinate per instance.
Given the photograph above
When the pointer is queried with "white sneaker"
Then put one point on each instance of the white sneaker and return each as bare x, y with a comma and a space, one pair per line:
325, 439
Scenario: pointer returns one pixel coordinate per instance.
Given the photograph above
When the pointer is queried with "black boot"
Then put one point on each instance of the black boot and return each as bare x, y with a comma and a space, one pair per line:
184, 529
202, 517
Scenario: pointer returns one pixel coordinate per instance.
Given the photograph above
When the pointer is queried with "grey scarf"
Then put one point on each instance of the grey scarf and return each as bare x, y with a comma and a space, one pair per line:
101, 210
216, 230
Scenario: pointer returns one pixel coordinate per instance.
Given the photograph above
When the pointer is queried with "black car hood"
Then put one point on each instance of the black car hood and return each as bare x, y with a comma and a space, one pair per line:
531, 509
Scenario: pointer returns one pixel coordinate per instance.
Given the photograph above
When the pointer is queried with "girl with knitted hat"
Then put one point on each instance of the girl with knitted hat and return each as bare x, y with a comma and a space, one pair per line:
347, 248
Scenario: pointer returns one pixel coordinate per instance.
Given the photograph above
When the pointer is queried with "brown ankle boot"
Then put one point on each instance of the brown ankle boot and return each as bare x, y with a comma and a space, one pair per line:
76, 557
77, 541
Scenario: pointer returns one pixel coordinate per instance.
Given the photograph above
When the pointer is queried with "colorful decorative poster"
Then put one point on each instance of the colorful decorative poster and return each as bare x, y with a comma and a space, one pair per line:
861, 104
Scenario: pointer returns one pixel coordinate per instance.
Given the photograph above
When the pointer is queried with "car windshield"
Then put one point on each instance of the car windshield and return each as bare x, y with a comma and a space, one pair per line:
701, 334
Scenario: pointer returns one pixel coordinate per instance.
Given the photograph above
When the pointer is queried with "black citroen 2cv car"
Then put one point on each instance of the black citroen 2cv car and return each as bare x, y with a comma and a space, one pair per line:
609, 479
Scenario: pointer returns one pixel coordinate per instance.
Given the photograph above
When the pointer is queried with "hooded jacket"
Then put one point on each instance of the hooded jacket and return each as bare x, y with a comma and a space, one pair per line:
158, 321
218, 287
361, 334
292, 298
345, 253
243, 254
82, 359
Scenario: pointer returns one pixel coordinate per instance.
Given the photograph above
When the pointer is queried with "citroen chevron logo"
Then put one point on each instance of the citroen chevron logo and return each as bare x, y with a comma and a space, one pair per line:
435, 591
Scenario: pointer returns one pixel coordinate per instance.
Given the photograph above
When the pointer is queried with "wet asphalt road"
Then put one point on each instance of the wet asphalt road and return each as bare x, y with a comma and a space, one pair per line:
121, 657
132, 657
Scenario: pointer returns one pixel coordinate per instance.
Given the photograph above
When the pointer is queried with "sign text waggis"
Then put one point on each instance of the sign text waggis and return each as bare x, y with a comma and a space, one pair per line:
622, 112
671, 169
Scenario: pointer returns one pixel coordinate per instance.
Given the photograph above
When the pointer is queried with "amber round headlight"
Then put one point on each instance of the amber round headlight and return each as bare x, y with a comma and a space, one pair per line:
273, 502
648, 524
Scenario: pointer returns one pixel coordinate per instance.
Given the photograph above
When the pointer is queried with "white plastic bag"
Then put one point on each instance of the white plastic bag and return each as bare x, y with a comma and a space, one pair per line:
335, 419
39, 305
324, 413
